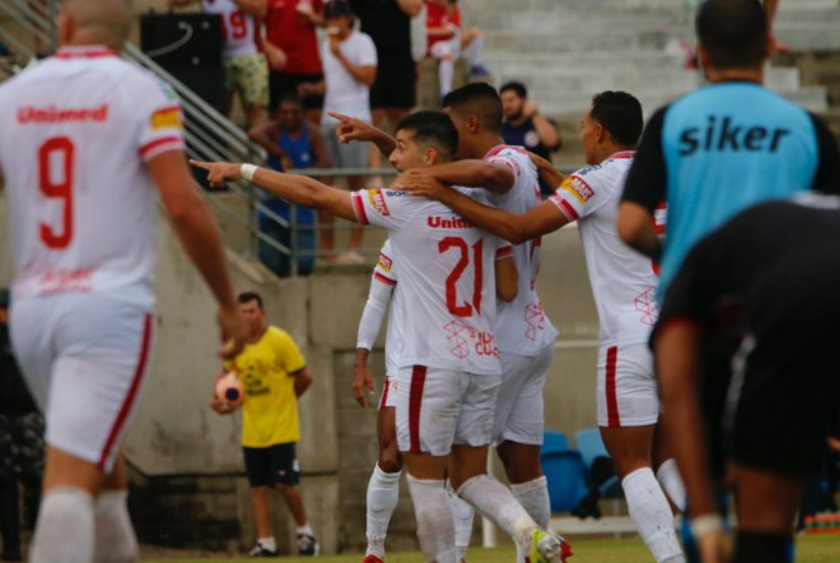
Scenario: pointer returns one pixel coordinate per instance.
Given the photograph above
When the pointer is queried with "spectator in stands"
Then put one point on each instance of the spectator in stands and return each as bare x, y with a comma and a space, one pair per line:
246, 72
21, 444
350, 66
524, 126
447, 42
291, 47
291, 143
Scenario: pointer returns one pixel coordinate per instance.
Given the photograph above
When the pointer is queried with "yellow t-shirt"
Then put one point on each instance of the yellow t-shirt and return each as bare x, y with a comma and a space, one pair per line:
270, 412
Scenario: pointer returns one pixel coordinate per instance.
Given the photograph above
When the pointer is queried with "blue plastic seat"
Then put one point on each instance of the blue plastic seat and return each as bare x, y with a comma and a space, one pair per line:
591, 446
554, 442
566, 475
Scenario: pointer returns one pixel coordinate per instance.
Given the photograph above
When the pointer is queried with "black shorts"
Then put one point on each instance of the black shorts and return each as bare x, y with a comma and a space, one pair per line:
282, 84
394, 88
274, 465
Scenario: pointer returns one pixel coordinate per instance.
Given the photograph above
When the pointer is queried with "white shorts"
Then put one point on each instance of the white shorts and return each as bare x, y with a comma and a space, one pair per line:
520, 411
437, 408
388, 399
85, 358
627, 391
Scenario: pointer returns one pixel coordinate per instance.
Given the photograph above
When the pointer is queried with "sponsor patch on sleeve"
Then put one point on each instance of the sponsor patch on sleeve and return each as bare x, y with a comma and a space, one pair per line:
378, 201
578, 187
385, 263
167, 118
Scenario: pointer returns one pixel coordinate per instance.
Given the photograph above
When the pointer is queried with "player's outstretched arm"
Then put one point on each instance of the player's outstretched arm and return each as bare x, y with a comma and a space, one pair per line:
470, 173
294, 188
199, 236
635, 227
351, 129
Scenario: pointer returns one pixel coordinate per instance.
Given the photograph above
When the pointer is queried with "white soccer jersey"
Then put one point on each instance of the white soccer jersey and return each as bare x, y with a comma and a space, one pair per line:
446, 281
239, 27
623, 281
522, 326
385, 272
75, 134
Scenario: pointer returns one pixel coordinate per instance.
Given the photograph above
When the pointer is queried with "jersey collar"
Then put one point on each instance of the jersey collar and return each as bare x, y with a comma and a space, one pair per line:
499, 148
621, 155
84, 52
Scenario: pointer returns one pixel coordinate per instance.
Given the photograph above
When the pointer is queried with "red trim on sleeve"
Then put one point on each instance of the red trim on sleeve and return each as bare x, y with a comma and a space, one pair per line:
504, 252
131, 396
158, 143
386, 280
415, 403
86, 52
613, 418
359, 207
564, 207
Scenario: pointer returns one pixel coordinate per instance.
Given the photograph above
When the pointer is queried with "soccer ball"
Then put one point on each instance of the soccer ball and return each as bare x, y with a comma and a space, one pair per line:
229, 388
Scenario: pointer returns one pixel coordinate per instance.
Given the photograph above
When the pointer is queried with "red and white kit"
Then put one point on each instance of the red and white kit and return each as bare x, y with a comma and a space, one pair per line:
524, 333
239, 28
448, 357
623, 285
77, 131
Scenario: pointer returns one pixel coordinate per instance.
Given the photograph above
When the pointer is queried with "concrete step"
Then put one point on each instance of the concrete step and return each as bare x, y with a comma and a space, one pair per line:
581, 40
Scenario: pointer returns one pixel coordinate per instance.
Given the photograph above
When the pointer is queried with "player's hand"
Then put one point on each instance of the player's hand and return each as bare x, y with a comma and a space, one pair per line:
234, 331
221, 406
362, 385
548, 173
418, 182
530, 108
352, 129
219, 172
715, 547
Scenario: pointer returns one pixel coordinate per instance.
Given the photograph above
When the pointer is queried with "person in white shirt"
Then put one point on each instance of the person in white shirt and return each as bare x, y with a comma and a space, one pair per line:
246, 70
84, 138
350, 60
623, 283
448, 369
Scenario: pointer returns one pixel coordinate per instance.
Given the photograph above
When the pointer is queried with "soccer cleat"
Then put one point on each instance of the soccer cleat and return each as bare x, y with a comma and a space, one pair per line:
308, 545
259, 551
547, 547
371, 558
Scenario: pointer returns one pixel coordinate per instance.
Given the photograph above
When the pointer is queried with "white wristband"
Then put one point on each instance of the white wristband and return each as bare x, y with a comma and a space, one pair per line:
702, 525
247, 171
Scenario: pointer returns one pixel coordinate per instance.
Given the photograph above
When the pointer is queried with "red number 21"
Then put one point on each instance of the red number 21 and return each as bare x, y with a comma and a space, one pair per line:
55, 179
463, 309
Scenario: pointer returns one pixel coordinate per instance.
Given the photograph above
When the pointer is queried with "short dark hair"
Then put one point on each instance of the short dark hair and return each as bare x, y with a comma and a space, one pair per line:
248, 296
733, 32
517, 87
620, 114
432, 128
480, 99
337, 9
289, 98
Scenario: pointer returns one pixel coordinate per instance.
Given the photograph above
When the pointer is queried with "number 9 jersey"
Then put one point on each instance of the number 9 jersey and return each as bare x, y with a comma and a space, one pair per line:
81, 202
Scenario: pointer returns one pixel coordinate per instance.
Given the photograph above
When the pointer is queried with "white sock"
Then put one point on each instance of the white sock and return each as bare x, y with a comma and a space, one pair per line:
652, 515
268, 543
435, 527
462, 513
446, 73
533, 496
671, 481
305, 529
115, 541
383, 494
65, 527
495, 501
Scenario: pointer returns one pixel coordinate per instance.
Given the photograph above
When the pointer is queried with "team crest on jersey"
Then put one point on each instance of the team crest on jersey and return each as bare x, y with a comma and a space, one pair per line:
167, 118
378, 201
385, 262
578, 188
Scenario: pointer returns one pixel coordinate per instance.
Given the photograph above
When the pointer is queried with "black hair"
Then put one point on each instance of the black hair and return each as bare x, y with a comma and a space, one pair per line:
248, 296
337, 9
620, 114
517, 87
479, 99
289, 98
432, 128
733, 32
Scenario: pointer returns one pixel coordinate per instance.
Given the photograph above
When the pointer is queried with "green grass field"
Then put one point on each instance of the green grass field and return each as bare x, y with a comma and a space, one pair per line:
809, 549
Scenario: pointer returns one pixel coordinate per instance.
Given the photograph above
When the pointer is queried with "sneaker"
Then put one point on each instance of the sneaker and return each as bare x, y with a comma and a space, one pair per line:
259, 551
371, 558
547, 547
308, 545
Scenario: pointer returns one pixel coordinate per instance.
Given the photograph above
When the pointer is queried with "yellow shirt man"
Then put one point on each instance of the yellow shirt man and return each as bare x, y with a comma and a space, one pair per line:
266, 368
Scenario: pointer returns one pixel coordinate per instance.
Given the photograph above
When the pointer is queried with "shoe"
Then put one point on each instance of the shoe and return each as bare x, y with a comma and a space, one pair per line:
259, 551
371, 558
308, 545
547, 547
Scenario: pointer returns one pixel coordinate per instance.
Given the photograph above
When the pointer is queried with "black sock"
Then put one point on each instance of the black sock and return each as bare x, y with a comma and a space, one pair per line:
759, 547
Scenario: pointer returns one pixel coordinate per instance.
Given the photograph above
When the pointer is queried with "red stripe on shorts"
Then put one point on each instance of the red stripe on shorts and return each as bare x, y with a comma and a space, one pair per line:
415, 401
139, 371
613, 418
384, 400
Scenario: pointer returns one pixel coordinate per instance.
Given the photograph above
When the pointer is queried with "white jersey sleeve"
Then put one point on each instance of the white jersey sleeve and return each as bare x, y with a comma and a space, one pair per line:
381, 286
576, 198
383, 208
163, 129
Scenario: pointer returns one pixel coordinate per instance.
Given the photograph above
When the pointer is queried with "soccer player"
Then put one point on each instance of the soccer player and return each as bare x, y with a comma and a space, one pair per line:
84, 137
448, 363
622, 285
275, 375
764, 288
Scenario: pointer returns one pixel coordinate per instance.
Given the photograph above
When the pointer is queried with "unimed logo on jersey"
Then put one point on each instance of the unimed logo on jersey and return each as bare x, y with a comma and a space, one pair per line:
377, 200
53, 114
578, 188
